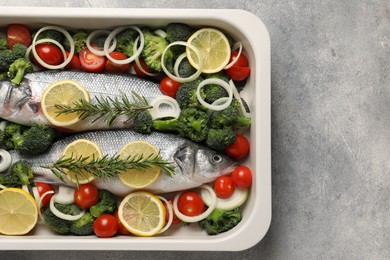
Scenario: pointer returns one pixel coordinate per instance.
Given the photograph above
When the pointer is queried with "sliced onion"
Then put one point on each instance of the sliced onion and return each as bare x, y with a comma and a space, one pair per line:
237, 96
181, 79
5, 160
95, 34
61, 215
138, 63
177, 63
25, 188
2, 187
197, 218
71, 52
221, 83
65, 195
170, 211
3, 124
237, 45
112, 35
157, 112
238, 198
160, 33
35, 193
39, 201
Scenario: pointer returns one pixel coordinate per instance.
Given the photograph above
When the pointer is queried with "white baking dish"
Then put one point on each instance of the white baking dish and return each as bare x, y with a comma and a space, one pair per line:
243, 26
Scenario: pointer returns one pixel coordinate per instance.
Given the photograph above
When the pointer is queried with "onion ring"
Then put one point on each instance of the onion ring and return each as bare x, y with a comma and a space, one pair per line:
223, 84
95, 34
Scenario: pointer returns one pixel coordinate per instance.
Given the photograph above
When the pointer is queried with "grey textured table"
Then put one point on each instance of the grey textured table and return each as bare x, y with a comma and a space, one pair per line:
330, 130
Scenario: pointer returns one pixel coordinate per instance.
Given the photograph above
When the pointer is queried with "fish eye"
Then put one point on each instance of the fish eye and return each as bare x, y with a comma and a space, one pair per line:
216, 159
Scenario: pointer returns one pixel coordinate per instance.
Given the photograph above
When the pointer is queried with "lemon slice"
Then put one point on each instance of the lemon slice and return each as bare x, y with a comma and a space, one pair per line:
63, 92
214, 49
139, 178
85, 148
18, 212
142, 213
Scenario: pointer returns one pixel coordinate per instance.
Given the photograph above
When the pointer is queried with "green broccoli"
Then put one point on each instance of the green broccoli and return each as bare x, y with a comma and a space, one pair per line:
23, 170
18, 68
3, 44
218, 139
154, 47
178, 32
51, 34
32, 140
214, 92
221, 221
57, 224
231, 116
125, 42
186, 95
107, 204
10, 180
79, 38
83, 226
7, 57
191, 123
185, 69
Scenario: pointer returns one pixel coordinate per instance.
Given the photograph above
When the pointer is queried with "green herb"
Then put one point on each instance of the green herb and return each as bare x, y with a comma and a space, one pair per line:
107, 107
107, 167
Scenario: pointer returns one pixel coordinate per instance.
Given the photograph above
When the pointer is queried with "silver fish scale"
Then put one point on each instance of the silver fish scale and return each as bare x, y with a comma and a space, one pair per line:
194, 170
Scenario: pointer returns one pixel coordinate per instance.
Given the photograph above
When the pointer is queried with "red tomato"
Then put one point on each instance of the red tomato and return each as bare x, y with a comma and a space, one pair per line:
121, 229
49, 53
91, 62
144, 66
224, 187
18, 33
190, 204
169, 87
86, 195
44, 187
112, 67
242, 177
175, 219
239, 149
105, 225
74, 63
240, 70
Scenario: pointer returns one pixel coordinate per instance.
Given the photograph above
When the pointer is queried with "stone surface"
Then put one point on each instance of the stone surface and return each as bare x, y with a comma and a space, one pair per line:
330, 130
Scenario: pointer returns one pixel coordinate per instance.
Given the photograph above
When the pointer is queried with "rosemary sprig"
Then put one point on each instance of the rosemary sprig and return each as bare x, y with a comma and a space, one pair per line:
107, 107
107, 167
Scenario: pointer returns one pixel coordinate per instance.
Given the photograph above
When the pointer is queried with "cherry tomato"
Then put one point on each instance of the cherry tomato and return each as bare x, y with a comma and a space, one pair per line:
49, 53
239, 148
169, 87
121, 229
144, 66
223, 187
175, 219
242, 177
74, 63
18, 33
91, 62
44, 187
86, 195
105, 225
112, 67
240, 70
190, 204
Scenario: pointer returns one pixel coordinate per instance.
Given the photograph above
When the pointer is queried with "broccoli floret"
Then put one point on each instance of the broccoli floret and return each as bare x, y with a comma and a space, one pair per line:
218, 139
83, 226
178, 32
68, 209
231, 116
186, 69
10, 180
7, 57
214, 92
57, 224
125, 42
79, 38
191, 123
36, 140
221, 221
153, 49
107, 204
23, 170
186, 95
13, 135
51, 34
3, 44
18, 68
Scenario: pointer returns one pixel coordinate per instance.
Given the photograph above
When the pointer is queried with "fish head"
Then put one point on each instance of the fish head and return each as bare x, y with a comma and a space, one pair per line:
203, 163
